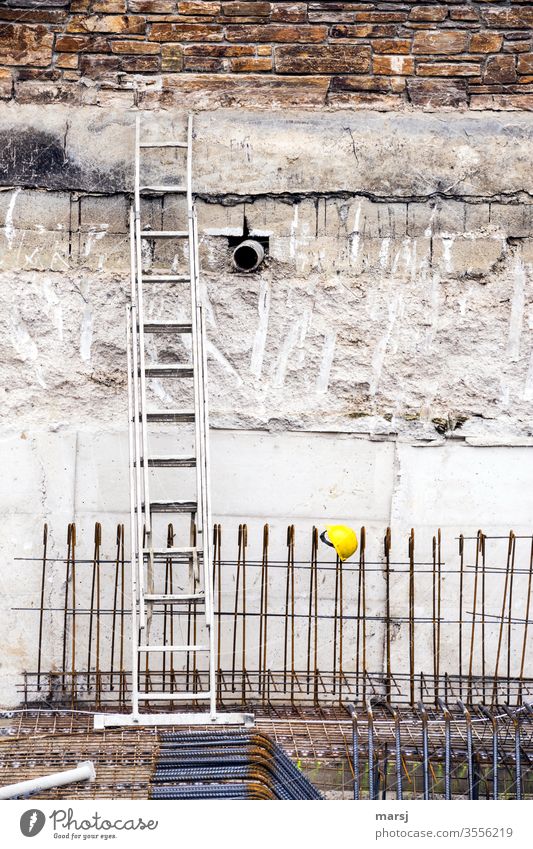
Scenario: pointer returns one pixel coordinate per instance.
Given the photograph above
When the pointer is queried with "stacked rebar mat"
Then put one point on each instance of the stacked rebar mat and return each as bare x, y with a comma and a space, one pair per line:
227, 765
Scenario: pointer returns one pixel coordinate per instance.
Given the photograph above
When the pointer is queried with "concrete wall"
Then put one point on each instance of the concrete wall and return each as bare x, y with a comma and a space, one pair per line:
377, 369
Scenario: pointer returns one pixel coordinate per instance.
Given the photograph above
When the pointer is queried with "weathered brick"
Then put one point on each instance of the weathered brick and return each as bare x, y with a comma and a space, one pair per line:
525, 63
186, 32
140, 64
330, 59
381, 17
256, 10
521, 102
448, 69
391, 65
485, 42
391, 45
362, 83
251, 65
516, 47
222, 51
435, 42
38, 16
517, 17
131, 24
81, 44
25, 45
275, 33
67, 60
94, 64
362, 30
428, 13
250, 90
500, 69
152, 7
289, 12
172, 57
437, 92
145, 48
464, 13
336, 12
190, 7
203, 64
109, 6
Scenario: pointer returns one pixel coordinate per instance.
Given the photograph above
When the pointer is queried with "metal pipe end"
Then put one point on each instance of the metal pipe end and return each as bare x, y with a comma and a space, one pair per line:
248, 256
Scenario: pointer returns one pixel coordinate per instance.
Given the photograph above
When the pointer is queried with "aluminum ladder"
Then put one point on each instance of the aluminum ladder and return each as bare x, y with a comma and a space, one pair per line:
194, 558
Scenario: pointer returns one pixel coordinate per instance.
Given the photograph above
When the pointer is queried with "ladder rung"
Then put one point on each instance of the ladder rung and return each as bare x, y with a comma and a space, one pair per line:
168, 552
173, 697
166, 327
168, 188
173, 506
175, 370
164, 234
183, 648
172, 461
163, 144
170, 416
153, 599
160, 278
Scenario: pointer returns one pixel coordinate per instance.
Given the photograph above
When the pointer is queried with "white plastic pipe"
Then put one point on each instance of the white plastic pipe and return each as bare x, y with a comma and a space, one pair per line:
83, 772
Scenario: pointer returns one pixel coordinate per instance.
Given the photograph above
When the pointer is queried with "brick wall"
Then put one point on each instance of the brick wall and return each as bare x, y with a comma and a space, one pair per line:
452, 54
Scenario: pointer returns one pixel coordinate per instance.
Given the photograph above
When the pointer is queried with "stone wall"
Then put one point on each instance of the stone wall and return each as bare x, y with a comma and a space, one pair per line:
457, 53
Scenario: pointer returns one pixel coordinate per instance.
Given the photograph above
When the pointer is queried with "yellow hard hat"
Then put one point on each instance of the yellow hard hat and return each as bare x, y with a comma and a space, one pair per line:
342, 539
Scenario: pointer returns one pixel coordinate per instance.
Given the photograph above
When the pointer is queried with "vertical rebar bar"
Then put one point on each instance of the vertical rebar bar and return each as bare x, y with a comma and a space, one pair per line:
526, 620
65, 610
244, 544
474, 612
461, 584
41, 608
510, 556
387, 549
411, 551
425, 748
236, 609
266, 535
114, 615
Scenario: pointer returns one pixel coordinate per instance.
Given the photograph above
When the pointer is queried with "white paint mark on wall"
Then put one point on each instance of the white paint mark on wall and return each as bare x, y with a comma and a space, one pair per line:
378, 357
8, 223
305, 324
53, 304
280, 369
92, 237
328, 352
258, 349
517, 313
86, 333
355, 237
384, 252
447, 245
294, 229
24, 344
528, 385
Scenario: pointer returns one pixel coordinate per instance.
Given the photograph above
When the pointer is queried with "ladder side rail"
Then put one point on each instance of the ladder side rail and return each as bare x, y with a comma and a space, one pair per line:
136, 431
134, 562
140, 308
194, 342
206, 501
